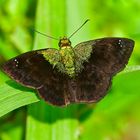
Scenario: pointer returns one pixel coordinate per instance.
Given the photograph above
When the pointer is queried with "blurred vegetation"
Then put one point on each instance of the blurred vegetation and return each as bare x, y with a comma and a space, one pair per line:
116, 117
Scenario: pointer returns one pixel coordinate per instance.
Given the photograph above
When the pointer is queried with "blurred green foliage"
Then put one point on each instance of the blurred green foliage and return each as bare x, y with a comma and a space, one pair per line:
117, 116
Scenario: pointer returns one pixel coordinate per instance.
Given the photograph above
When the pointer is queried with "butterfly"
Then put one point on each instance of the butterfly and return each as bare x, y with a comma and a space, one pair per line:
81, 74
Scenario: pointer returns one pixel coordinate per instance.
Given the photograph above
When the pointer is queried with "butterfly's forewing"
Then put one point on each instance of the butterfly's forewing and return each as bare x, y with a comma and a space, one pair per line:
31, 69
108, 56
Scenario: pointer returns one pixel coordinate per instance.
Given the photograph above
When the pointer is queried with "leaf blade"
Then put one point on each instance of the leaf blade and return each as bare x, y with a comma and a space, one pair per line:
11, 98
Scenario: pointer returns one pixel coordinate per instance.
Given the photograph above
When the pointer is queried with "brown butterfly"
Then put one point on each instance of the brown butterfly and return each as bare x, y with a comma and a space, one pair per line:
81, 74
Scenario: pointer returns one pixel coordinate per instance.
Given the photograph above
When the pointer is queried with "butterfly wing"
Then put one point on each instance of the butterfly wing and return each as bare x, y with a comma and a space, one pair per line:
107, 57
32, 70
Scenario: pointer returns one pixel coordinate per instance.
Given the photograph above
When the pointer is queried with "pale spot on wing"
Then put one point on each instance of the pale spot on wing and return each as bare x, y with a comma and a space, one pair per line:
16, 62
120, 43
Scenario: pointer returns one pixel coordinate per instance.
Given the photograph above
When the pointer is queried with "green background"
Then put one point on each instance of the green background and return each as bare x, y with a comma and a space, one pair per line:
116, 117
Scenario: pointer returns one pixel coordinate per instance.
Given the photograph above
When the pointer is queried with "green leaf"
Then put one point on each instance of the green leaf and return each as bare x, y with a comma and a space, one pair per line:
13, 97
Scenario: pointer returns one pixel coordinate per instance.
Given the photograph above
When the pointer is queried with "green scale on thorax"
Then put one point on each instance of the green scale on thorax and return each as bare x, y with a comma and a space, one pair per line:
67, 56
66, 59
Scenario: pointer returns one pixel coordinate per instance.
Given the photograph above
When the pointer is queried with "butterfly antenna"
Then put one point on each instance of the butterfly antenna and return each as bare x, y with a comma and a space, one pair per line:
79, 28
45, 35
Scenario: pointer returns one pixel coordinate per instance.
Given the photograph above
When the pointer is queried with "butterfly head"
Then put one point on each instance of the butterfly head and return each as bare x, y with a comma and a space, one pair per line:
64, 42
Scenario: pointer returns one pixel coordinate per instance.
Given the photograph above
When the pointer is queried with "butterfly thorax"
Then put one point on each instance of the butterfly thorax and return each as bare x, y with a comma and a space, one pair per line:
67, 56
67, 60
62, 59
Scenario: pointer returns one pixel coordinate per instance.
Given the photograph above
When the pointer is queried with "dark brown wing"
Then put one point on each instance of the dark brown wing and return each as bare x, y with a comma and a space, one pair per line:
112, 54
32, 70
108, 56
